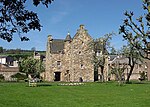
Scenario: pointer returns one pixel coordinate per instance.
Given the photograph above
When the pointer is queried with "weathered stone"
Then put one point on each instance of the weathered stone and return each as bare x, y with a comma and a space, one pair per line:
73, 61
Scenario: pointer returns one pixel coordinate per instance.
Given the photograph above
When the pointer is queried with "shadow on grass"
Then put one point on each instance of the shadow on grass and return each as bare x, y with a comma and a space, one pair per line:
39, 85
138, 82
43, 85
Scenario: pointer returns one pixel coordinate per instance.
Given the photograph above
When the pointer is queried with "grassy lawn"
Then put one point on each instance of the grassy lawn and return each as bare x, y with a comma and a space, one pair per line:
88, 95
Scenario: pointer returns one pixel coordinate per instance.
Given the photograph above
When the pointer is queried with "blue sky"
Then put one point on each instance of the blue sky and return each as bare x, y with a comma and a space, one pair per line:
99, 17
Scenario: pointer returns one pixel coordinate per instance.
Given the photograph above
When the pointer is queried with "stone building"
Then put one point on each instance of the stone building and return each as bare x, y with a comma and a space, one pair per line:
7, 71
69, 59
8, 66
122, 61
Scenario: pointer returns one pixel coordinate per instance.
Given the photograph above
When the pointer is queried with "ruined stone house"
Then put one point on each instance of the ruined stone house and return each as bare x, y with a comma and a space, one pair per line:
69, 59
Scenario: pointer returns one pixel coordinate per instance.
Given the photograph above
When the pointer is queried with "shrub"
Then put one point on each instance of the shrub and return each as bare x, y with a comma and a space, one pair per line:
19, 76
2, 77
143, 75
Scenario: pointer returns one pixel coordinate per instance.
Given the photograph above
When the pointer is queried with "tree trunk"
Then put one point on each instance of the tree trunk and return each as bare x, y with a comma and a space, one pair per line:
102, 73
129, 75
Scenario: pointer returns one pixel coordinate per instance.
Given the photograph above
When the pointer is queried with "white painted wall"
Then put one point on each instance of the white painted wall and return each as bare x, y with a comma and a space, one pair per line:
3, 60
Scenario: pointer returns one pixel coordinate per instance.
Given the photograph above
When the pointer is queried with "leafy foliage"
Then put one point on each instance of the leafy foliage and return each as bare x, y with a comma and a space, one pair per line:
118, 71
113, 51
133, 56
99, 47
2, 77
143, 75
137, 32
1, 49
31, 66
15, 18
19, 76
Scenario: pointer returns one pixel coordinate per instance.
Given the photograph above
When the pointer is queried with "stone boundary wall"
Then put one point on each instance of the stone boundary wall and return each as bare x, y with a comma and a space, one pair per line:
8, 71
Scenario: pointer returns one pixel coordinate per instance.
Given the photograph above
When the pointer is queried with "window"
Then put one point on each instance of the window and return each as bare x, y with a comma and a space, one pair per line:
58, 63
81, 66
82, 42
99, 53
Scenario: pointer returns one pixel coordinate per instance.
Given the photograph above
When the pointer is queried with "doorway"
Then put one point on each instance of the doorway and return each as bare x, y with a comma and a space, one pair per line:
57, 76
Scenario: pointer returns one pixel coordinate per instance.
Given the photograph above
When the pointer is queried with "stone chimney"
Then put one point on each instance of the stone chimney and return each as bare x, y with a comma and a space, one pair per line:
81, 26
49, 38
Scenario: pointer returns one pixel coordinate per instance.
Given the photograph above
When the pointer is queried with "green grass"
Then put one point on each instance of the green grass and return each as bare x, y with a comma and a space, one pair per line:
88, 95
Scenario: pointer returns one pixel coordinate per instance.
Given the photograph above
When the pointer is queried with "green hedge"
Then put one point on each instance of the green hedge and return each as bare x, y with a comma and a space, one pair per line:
19, 76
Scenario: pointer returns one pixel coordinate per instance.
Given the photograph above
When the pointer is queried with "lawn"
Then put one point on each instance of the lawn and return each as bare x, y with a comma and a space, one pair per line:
88, 95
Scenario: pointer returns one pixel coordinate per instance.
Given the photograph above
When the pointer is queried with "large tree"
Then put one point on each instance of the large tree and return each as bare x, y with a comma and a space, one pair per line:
133, 56
99, 47
1, 49
119, 73
137, 32
31, 66
15, 18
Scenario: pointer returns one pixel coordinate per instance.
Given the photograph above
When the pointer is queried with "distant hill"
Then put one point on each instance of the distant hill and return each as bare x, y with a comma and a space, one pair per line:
17, 53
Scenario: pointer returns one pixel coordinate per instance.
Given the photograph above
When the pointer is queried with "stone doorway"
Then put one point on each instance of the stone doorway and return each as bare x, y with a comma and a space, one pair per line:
57, 76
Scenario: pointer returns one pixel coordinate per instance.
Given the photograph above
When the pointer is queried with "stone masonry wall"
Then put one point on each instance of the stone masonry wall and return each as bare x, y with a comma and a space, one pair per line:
75, 60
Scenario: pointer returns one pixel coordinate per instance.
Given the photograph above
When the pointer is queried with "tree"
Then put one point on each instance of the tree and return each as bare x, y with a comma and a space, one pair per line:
19, 76
2, 78
99, 47
33, 49
133, 58
119, 73
15, 18
1, 49
31, 66
137, 32
113, 51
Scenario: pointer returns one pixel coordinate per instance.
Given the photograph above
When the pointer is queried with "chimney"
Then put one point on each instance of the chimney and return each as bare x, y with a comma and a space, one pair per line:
81, 26
49, 38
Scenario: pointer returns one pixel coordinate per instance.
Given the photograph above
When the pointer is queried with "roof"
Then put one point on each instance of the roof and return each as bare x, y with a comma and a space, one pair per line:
68, 37
121, 59
82, 30
112, 57
3, 56
57, 45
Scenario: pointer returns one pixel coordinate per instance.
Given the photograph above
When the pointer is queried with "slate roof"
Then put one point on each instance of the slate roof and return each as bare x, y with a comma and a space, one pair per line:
68, 38
57, 45
112, 57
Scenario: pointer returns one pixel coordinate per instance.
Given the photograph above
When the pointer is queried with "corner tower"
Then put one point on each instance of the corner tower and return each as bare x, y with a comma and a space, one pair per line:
48, 58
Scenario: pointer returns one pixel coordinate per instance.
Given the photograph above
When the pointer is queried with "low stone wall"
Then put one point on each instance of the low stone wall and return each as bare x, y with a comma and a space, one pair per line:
7, 75
8, 71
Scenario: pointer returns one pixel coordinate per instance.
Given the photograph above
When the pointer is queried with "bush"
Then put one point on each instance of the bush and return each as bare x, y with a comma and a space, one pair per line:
143, 75
2, 77
19, 76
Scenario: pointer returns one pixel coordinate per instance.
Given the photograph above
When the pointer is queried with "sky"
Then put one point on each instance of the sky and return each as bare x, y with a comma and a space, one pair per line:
99, 17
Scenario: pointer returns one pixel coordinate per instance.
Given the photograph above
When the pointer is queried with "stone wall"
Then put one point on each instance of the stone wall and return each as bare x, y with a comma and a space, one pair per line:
75, 60
8, 71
